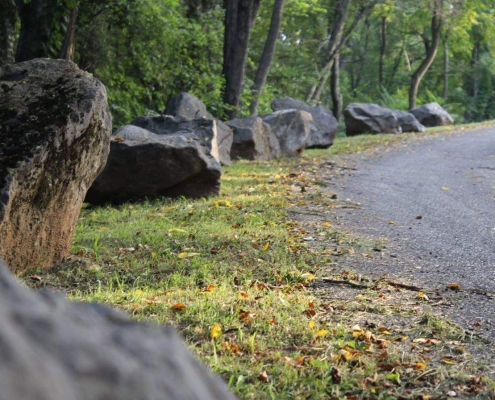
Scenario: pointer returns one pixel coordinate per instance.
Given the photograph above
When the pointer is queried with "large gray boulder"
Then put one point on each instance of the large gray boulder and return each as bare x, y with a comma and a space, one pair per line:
187, 106
432, 114
323, 126
53, 349
369, 118
144, 165
216, 135
408, 122
291, 127
253, 140
54, 140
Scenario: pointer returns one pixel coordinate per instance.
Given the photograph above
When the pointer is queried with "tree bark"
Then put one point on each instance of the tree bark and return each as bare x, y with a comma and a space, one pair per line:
239, 21
436, 30
36, 17
383, 48
338, 40
267, 56
8, 16
337, 100
446, 69
68, 47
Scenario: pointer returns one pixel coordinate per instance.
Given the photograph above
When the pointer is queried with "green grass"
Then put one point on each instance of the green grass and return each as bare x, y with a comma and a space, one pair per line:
233, 274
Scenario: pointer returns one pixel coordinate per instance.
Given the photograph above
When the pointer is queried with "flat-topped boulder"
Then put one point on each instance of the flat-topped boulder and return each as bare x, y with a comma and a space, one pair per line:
369, 118
215, 134
54, 141
291, 127
253, 140
323, 127
53, 349
432, 114
144, 165
408, 122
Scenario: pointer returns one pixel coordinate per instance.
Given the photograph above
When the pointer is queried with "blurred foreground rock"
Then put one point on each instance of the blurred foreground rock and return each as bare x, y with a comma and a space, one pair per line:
144, 165
52, 349
323, 127
54, 140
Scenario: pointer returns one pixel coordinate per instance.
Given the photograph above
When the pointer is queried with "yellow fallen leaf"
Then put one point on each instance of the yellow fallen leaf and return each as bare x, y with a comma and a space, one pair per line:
419, 365
118, 139
423, 296
266, 246
311, 324
216, 330
445, 188
327, 224
392, 222
321, 333
188, 255
449, 362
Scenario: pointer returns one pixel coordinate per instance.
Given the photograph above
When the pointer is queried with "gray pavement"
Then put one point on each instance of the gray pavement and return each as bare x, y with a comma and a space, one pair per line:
434, 200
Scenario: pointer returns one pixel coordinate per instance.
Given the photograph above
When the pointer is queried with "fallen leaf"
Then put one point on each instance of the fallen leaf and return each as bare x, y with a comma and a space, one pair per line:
118, 139
454, 286
392, 222
215, 331
188, 255
445, 188
263, 377
179, 306
321, 333
266, 246
311, 324
336, 376
209, 289
423, 296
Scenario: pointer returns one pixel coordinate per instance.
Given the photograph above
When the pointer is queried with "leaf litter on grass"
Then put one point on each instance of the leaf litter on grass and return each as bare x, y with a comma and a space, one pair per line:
239, 278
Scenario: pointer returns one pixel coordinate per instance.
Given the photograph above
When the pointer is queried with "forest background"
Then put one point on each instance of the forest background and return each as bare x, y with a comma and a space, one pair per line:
328, 52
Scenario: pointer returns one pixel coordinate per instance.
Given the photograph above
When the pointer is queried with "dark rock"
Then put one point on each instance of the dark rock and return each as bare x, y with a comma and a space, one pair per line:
369, 118
291, 127
215, 134
54, 140
144, 165
432, 115
323, 126
253, 140
187, 106
53, 349
408, 122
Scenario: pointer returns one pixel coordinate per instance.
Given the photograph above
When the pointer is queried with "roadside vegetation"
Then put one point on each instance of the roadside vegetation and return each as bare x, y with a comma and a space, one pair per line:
241, 282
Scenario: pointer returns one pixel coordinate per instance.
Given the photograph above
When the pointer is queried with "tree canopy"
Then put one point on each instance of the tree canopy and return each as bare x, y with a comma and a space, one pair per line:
397, 53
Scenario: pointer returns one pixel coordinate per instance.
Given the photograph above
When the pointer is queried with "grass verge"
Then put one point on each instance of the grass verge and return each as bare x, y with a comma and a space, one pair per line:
236, 277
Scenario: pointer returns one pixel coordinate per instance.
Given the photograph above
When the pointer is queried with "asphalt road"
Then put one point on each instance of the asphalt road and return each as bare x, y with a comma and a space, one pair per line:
434, 200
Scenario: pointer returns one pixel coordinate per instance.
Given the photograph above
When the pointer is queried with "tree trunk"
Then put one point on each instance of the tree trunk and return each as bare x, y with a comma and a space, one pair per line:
267, 56
37, 18
383, 48
8, 16
68, 47
337, 100
446, 69
239, 21
436, 29
338, 40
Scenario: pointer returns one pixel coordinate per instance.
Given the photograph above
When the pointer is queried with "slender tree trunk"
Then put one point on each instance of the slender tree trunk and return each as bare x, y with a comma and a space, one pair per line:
8, 16
446, 69
36, 17
267, 56
239, 21
338, 40
383, 48
68, 47
436, 29
337, 100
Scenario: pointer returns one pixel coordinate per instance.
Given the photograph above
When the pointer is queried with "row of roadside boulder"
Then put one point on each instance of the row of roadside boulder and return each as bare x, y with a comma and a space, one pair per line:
371, 118
180, 153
